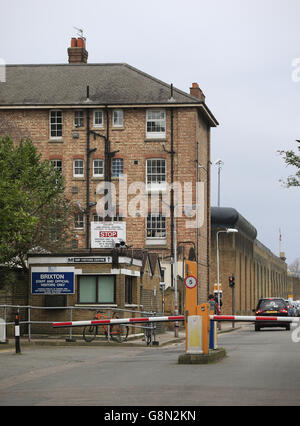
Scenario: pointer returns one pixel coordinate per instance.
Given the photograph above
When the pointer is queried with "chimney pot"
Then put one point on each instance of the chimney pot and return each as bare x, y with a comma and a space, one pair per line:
73, 42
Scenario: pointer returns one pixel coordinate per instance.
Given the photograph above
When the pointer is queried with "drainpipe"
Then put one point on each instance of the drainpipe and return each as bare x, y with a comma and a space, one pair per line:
172, 192
87, 172
107, 165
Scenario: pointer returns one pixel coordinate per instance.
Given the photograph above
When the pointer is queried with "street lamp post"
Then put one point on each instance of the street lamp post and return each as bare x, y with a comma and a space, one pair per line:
219, 163
227, 231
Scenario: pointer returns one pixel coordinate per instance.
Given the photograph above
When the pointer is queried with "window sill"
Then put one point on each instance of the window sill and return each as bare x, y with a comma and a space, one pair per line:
156, 242
76, 179
96, 305
118, 128
158, 139
58, 140
156, 190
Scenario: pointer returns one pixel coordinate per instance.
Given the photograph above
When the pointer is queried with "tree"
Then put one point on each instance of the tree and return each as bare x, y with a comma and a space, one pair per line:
292, 159
34, 212
294, 267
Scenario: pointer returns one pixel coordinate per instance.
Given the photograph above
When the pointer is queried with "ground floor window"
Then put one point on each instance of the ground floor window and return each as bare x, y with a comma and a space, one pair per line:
96, 289
128, 290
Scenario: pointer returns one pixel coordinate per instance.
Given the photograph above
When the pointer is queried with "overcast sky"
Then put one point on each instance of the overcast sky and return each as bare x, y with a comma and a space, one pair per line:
239, 51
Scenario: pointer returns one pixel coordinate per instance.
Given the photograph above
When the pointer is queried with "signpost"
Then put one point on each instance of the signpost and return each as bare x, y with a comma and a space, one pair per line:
107, 234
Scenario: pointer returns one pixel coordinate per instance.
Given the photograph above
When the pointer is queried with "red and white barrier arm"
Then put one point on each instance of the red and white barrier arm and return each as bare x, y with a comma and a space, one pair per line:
118, 321
252, 318
172, 318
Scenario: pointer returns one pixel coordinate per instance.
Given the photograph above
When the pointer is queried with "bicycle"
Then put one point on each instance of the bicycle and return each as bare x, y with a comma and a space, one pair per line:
149, 334
117, 332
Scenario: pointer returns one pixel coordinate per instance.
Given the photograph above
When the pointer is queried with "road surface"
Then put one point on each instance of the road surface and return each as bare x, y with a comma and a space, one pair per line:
261, 368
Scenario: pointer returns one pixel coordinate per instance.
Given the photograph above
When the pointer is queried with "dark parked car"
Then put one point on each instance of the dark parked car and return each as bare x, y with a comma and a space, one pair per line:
272, 307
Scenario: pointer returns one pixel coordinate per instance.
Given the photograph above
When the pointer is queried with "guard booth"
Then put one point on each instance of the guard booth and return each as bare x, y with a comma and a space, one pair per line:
103, 279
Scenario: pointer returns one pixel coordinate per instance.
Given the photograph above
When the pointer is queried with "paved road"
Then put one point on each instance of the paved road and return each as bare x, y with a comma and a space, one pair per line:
261, 369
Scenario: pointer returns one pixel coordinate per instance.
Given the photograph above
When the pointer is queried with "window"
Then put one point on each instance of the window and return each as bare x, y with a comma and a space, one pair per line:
98, 118
98, 168
117, 167
78, 118
118, 118
96, 288
156, 226
78, 168
55, 124
156, 174
156, 124
78, 221
128, 289
57, 164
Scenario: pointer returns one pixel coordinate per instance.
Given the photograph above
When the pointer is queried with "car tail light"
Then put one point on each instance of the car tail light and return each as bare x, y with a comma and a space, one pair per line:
259, 311
283, 311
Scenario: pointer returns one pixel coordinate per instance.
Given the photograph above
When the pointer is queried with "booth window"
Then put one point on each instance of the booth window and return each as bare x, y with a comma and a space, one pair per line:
96, 289
128, 290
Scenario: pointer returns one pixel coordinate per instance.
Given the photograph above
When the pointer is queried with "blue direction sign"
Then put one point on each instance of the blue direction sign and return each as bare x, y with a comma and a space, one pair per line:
52, 282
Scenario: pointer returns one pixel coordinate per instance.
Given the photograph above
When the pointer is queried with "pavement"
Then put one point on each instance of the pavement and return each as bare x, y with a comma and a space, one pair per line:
162, 339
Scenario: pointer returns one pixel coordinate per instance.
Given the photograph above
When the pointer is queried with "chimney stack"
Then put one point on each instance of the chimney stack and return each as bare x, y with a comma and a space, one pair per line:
197, 92
77, 52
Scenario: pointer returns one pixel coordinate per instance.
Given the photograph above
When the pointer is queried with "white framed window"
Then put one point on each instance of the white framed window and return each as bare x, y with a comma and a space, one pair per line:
56, 125
78, 118
156, 228
98, 168
156, 174
156, 123
78, 168
118, 118
117, 167
98, 120
78, 221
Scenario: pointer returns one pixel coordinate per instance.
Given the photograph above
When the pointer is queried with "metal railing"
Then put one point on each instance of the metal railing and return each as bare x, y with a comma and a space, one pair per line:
9, 310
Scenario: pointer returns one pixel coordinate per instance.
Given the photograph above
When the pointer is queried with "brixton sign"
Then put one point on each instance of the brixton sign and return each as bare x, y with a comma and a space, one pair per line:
52, 280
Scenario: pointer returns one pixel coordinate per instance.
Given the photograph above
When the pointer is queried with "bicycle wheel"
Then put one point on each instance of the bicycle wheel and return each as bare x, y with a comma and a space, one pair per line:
148, 336
89, 332
119, 332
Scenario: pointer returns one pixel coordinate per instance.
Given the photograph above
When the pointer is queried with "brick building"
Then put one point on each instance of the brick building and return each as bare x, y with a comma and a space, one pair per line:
114, 123
258, 272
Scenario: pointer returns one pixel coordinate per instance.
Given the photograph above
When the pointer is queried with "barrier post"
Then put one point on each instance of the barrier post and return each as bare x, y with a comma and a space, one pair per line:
17, 332
203, 311
213, 334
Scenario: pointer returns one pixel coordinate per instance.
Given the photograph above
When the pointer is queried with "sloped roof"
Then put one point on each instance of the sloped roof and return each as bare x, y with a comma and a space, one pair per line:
66, 84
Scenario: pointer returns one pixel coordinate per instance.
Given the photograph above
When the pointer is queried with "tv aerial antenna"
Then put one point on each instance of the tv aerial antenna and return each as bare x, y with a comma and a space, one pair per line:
79, 32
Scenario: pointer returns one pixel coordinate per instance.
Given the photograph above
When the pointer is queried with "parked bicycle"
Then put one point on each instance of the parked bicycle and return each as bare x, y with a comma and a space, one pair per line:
149, 334
116, 332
